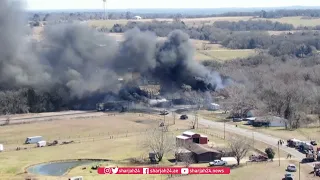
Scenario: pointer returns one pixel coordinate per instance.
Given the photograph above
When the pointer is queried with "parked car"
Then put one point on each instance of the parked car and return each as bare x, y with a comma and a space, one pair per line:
313, 143
218, 163
183, 116
164, 112
258, 158
288, 176
291, 168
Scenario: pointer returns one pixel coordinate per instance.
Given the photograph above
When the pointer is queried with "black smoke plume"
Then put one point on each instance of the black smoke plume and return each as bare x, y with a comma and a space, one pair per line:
85, 63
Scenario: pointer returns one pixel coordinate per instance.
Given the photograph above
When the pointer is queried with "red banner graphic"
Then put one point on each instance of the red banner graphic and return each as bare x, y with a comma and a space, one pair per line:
163, 170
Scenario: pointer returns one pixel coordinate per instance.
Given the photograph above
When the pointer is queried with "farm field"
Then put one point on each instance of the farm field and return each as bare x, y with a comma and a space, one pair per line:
296, 21
92, 140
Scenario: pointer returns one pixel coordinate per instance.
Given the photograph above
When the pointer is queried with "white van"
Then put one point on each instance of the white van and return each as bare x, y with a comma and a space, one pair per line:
76, 178
41, 143
1, 147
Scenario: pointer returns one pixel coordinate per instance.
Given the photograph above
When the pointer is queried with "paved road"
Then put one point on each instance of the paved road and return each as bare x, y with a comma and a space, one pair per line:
271, 140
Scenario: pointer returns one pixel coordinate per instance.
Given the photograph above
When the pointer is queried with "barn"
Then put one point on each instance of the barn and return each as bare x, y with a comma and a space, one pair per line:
196, 138
203, 153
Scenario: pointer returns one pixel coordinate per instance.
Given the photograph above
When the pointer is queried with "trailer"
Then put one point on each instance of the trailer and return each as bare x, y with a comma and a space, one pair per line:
33, 139
1, 147
41, 143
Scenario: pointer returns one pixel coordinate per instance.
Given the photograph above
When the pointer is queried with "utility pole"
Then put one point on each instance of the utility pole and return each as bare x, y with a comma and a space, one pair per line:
299, 170
196, 120
224, 130
253, 139
279, 152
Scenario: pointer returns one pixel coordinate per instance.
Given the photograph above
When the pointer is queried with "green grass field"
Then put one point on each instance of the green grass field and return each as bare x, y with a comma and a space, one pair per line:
296, 21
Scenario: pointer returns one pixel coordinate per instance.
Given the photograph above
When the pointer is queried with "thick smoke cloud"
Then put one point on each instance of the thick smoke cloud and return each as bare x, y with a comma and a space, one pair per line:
86, 62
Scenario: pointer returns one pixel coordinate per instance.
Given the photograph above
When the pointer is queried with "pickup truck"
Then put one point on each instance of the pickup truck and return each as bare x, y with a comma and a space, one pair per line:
218, 163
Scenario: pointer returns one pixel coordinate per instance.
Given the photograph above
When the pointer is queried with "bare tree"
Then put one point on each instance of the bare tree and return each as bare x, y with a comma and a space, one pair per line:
240, 100
185, 157
159, 141
239, 146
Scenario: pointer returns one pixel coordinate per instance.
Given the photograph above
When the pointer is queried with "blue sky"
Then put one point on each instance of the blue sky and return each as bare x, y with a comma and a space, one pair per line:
134, 4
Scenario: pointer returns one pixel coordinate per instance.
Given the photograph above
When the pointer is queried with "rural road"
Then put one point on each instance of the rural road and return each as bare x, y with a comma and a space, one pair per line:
267, 139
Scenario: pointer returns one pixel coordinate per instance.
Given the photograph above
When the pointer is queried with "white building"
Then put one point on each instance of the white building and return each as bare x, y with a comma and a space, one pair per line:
213, 106
274, 121
157, 101
137, 17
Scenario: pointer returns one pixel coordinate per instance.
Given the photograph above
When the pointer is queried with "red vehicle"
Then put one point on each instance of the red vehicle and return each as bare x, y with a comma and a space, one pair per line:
258, 158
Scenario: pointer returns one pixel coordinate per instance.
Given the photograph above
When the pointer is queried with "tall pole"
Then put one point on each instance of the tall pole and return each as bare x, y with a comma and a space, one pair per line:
299, 170
105, 9
224, 129
279, 152
253, 139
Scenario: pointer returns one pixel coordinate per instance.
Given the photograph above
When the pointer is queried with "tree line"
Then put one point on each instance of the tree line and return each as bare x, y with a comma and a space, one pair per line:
96, 15
252, 25
300, 44
283, 86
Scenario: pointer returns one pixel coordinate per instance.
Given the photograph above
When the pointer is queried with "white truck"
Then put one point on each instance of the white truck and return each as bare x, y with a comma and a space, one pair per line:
41, 143
1, 147
218, 163
76, 178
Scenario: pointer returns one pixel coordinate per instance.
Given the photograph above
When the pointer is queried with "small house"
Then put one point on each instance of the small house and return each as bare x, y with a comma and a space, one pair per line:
270, 121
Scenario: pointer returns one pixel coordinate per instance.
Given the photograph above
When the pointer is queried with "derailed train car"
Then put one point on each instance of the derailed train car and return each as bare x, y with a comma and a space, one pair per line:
121, 106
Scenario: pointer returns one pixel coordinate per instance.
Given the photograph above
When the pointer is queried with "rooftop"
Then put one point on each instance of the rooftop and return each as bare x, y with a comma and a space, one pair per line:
200, 149
182, 150
189, 133
182, 137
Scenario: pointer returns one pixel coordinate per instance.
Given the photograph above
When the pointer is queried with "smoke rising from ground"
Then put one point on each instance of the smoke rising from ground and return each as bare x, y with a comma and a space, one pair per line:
85, 62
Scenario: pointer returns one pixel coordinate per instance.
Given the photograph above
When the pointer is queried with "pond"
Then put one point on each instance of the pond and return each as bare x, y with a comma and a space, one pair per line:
57, 168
